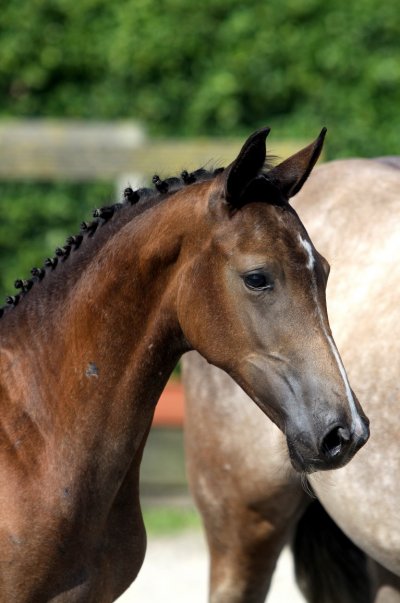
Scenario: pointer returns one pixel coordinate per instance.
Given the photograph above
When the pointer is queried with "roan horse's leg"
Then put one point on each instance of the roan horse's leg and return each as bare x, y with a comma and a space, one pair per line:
245, 543
249, 503
386, 584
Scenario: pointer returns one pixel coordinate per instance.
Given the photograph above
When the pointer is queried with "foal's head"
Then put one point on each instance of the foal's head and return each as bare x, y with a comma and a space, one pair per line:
253, 303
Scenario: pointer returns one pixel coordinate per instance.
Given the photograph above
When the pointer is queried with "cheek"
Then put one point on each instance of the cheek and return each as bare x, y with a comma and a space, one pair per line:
196, 302
209, 316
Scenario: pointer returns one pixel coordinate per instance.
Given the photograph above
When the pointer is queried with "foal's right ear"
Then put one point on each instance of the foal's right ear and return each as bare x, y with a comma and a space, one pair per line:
290, 175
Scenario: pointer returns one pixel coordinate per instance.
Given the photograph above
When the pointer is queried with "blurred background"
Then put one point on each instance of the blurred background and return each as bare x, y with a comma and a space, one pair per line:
97, 94
184, 70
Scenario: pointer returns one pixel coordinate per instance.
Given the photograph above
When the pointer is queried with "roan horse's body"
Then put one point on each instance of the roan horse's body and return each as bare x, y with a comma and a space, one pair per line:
249, 495
88, 345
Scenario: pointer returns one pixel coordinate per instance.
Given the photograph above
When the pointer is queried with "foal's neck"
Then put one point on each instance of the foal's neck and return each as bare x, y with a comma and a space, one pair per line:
109, 346
123, 313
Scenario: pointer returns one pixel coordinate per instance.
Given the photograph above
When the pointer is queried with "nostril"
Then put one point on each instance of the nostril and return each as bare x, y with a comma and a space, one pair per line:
344, 434
334, 440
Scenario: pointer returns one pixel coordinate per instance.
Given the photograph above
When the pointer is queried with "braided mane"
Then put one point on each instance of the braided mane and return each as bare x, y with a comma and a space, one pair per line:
101, 216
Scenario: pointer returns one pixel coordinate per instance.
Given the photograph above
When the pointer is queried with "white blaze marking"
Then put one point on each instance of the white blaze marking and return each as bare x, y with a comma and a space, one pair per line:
310, 255
310, 265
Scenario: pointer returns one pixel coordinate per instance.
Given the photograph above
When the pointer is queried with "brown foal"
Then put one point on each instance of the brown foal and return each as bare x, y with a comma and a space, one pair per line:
218, 262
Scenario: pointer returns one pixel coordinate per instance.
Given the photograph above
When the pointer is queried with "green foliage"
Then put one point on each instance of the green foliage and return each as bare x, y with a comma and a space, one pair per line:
210, 68
37, 218
162, 520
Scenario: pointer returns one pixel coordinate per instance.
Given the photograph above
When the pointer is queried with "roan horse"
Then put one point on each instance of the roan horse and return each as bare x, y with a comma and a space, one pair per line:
250, 497
217, 262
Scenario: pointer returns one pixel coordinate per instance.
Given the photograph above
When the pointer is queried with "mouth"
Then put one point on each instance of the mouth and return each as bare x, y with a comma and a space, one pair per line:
299, 464
309, 465
333, 451
312, 464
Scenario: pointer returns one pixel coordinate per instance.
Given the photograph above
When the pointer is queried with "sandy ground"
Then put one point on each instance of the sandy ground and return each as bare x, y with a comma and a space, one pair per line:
175, 571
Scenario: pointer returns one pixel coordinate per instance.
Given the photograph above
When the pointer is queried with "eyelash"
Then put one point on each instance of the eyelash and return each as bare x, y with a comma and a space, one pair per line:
257, 281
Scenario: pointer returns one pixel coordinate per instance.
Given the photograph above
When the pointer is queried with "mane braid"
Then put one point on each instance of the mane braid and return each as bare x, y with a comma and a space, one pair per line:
103, 215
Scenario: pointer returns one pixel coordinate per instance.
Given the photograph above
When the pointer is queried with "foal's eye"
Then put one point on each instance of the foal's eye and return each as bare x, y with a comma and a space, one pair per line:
258, 281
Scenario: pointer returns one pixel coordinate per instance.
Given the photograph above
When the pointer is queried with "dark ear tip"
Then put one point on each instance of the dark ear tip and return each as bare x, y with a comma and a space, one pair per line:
262, 132
318, 143
322, 134
258, 136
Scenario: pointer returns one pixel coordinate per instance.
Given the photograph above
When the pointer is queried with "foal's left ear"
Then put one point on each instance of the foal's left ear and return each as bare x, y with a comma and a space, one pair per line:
246, 166
290, 175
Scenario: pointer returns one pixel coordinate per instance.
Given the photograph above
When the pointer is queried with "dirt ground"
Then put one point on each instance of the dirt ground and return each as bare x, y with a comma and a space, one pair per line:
175, 571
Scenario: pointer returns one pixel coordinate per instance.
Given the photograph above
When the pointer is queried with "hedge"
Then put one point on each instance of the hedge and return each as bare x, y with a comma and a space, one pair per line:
212, 68
216, 67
